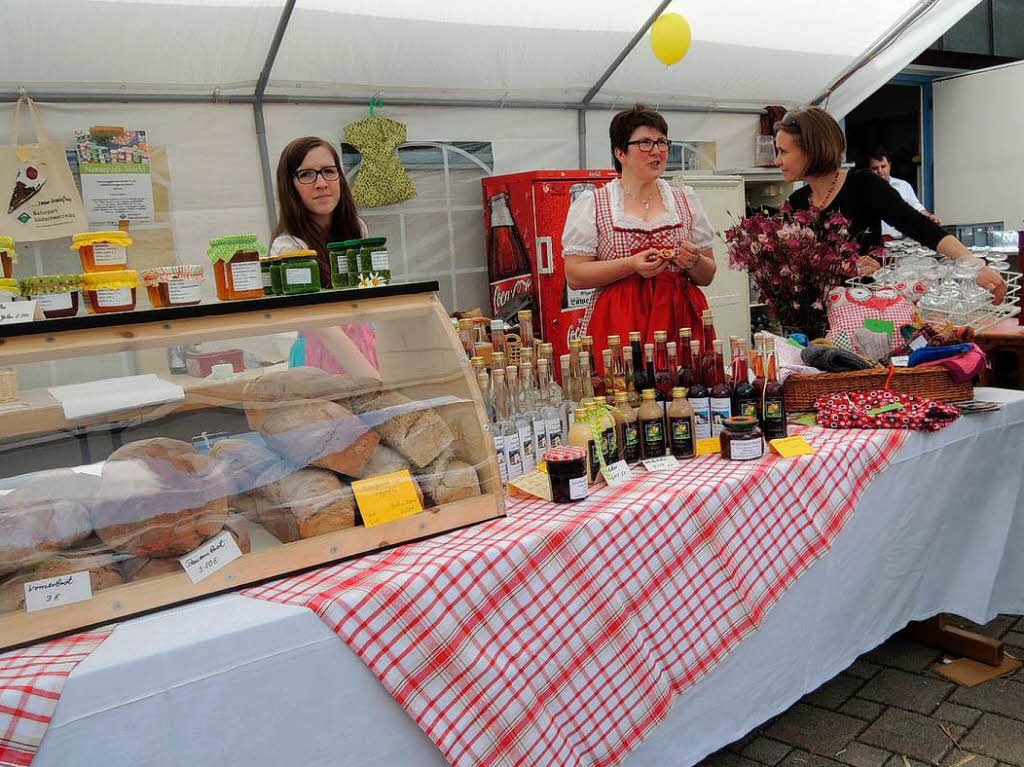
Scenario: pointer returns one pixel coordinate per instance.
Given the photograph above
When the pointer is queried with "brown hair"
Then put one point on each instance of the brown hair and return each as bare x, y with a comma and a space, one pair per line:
295, 219
819, 135
627, 121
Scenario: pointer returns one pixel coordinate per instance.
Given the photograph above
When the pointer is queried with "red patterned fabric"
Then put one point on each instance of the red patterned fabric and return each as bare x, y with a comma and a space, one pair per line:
849, 307
561, 634
31, 680
860, 410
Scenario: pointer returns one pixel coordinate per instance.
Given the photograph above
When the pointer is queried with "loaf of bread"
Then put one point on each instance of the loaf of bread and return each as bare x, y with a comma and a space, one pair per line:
320, 433
159, 497
307, 503
140, 568
384, 460
248, 504
247, 465
417, 433
448, 479
102, 568
48, 513
266, 393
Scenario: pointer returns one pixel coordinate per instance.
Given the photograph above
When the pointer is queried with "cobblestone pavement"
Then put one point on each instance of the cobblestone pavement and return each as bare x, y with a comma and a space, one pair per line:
889, 709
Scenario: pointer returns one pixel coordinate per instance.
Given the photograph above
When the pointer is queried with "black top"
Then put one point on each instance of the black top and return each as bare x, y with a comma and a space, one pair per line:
866, 199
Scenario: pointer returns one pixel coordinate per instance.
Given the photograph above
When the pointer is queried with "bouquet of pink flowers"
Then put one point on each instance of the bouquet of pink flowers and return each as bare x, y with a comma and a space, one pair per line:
795, 258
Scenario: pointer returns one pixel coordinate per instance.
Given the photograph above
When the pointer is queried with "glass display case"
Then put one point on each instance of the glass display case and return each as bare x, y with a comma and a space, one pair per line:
154, 457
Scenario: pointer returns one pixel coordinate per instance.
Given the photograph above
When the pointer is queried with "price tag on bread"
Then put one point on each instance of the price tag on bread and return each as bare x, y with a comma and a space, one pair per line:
207, 559
387, 497
54, 592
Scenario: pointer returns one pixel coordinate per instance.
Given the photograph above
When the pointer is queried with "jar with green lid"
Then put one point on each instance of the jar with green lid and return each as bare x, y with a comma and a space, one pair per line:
56, 294
343, 256
268, 284
374, 266
299, 272
236, 266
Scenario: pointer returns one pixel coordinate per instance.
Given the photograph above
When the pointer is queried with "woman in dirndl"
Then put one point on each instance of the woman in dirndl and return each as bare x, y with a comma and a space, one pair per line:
645, 246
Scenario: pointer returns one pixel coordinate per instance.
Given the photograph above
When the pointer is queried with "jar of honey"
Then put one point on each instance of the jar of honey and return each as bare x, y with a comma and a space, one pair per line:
102, 251
110, 291
8, 258
180, 285
56, 294
236, 266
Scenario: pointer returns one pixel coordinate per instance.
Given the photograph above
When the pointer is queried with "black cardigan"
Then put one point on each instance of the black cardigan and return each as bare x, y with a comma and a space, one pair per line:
866, 199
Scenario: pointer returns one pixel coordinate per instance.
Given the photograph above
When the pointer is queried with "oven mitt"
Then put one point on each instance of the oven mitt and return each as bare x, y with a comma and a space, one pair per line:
833, 360
930, 354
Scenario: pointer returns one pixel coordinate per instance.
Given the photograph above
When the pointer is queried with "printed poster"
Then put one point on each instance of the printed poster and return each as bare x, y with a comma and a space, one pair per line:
114, 168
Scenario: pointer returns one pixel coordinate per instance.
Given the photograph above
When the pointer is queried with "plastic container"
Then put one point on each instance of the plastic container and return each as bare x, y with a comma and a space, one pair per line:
102, 251
268, 283
8, 257
342, 273
299, 272
56, 294
107, 292
236, 266
201, 364
9, 289
174, 285
567, 469
741, 439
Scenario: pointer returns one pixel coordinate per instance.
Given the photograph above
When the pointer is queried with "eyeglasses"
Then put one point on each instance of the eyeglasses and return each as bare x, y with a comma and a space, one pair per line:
647, 144
308, 175
789, 121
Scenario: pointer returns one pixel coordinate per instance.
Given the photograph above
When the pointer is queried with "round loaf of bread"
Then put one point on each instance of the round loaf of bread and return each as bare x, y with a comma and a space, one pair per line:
103, 573
320, 433
308, 503
276, 387
246, 465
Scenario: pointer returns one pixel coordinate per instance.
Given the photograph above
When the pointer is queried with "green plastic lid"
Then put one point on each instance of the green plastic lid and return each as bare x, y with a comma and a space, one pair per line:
374, 242
344, 244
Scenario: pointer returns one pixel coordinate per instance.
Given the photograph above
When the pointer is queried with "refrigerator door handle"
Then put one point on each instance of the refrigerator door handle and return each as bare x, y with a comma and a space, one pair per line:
545, 255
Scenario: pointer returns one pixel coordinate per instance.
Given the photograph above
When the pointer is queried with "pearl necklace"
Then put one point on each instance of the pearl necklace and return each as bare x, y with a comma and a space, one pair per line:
828, 194
645, 202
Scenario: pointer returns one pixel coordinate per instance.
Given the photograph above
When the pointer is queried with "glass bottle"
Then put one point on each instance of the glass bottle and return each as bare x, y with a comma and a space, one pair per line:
497, 361
523, 426
585, 377
548, 353
637, 351
581, 435
549, 413
686, 375
663, 379
597, 379
774, 418
758, 383
526, 328
609, 443
506, 253
484, 383
652, 425
744, 398
576, 383
707, 358
498, 336
700, 401
681, 426
618, 368
505, 429
569, 403
721, 399
649, 376
467, 336
609, 378
628, 435
673, 365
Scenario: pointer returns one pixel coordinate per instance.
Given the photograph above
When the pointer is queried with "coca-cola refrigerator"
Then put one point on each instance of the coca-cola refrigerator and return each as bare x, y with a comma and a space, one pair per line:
524, 214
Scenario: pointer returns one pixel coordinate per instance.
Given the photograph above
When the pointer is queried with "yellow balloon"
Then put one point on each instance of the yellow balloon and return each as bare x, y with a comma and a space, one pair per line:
670, 38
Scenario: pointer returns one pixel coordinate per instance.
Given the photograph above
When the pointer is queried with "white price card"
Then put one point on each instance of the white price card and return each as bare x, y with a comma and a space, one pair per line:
900, 361
210, 557
617, 473
12, 312
54, 592
663, 463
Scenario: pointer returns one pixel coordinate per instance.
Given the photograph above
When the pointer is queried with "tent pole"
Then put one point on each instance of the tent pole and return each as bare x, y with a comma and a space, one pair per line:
581, 122
625, 52
257, 111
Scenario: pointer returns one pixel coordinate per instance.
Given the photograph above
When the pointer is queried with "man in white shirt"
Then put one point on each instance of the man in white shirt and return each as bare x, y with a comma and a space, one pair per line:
881, 166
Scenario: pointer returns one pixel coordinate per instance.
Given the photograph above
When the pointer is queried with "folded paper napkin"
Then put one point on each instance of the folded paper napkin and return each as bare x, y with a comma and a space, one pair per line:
881, 409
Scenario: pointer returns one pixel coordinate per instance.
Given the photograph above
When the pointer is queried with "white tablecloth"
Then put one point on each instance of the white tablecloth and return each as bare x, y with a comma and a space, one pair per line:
235, 681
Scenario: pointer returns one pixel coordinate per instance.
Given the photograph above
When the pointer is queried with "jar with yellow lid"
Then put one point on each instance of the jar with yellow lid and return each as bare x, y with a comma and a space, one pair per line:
180, 285
110, 291
236, 266
55, 294
299, 272
8, 257
9, 289
102, 251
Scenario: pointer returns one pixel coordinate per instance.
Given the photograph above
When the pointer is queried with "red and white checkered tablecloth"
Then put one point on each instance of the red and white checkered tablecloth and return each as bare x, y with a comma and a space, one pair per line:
560, 635
31, 680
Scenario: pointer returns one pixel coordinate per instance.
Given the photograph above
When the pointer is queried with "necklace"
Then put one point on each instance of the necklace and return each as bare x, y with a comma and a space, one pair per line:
828, 194
646, 202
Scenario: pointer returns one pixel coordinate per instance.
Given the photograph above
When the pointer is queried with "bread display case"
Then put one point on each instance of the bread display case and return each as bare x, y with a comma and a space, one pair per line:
321, 427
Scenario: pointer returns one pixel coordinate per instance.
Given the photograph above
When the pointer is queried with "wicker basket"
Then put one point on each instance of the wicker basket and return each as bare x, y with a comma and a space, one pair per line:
8, 385
802, 391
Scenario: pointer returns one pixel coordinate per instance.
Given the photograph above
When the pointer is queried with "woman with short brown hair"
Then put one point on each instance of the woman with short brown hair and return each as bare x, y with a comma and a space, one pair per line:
810, 146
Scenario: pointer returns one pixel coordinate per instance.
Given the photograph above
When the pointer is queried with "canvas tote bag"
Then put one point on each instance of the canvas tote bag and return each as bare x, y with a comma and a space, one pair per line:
38, 196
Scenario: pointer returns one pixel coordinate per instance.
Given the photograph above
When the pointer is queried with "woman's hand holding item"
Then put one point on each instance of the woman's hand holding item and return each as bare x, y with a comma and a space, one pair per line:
687, 255
648, 263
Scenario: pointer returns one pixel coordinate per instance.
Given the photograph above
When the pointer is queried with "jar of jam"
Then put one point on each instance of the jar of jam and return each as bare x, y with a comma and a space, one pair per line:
9, 289
8, 258
741, 439
567, 469
102, 251
299, 271
236, 266
342, 276
110, 291
174, 285
268, 283
374, 265
55, 294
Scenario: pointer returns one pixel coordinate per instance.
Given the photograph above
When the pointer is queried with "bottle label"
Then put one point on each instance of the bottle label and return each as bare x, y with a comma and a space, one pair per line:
302, 276
529, 448
654, 438
748, 409
246, 275
701, 417
540, 432
631, 438
555, 433
499, 449
773, 409
595, 462
513, 455
681, 432
746, 449
183, 291
721, 408
578, 488
608, 446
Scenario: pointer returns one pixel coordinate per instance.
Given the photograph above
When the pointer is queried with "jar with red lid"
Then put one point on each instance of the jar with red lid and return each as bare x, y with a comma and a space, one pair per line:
180, 285
236, 266
102, 251
106, 292
567, 469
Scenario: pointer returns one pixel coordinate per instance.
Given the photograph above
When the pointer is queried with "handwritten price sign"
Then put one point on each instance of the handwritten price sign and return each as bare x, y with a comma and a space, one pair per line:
54, 592
387, 497
13, 312
210, 557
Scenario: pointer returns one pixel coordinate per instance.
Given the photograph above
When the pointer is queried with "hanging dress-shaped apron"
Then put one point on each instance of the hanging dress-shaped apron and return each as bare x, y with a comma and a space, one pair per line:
667, 301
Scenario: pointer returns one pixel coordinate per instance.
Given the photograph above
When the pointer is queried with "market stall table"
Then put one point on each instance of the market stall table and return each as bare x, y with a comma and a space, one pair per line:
235, 680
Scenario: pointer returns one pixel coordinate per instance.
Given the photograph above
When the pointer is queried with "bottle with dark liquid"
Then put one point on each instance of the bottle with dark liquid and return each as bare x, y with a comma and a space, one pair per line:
652, 426
721, 399
637, 349
700, 401
628, 435
618, 369
706, 366
506, 254
681, 426
595, 373
630, 378
774, 421
649, 375
744, 399
686, 376
664, 382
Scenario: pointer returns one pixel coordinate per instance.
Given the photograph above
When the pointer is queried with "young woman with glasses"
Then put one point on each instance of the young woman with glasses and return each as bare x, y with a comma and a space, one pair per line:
809, 145
316, 207
643, 244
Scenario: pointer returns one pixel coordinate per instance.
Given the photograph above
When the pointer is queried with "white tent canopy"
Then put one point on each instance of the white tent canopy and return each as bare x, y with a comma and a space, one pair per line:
744, 54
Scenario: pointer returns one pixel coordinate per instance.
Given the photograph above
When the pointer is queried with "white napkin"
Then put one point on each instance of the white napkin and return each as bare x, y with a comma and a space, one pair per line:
111, 395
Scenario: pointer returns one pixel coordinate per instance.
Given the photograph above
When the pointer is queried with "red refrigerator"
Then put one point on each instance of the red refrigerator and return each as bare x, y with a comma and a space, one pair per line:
524, 214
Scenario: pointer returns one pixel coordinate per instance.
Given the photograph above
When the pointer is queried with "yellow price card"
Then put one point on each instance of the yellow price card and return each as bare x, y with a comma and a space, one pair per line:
709, 446
387, 497
788, 447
